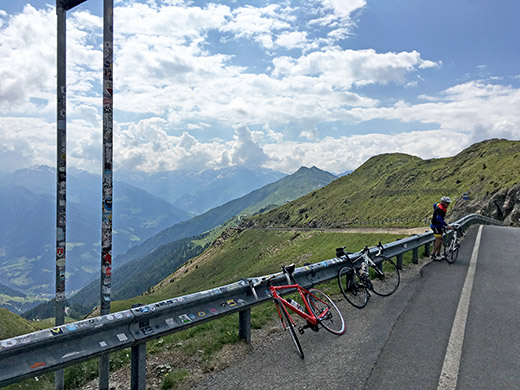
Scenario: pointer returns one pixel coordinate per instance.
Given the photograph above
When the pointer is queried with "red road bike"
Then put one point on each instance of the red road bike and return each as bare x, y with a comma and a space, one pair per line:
318, 308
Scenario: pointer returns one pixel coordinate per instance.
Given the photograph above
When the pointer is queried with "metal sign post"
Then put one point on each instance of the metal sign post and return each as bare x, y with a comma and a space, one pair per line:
61, 186
62, 6
106, 224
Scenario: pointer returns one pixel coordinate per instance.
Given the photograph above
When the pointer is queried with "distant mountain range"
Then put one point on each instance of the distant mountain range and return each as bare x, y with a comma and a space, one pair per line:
147, 264
28, 209
389, 189
9, 291
198, 192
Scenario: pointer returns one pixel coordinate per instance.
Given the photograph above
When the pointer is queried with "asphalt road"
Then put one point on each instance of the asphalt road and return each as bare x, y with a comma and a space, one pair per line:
400, 342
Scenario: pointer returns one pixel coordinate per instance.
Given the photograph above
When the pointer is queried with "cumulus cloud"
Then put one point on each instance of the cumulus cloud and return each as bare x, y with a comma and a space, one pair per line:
338, 155
246, 152
27, 63
459, 108
273, 76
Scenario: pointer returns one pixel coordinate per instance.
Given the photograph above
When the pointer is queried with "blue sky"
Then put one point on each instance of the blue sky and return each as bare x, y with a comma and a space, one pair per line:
278, 84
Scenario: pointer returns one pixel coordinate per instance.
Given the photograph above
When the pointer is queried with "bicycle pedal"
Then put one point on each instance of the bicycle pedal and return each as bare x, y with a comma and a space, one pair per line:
301, 330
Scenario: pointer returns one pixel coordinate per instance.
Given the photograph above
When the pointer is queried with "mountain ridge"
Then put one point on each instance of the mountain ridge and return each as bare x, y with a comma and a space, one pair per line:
183, 238
397, 185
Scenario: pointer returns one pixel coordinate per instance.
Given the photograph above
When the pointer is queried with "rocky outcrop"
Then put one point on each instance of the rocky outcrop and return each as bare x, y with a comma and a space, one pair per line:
503, 206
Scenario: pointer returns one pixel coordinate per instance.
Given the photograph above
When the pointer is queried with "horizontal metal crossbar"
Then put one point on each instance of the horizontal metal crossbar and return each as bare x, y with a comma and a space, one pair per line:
55, 348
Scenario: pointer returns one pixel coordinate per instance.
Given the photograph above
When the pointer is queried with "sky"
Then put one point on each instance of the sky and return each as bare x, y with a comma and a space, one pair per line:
273, 84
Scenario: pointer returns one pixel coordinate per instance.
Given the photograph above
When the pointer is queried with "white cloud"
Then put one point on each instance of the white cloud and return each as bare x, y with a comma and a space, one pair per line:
292, 40
343, 8
246, 152
337, 15
338, 155
459, 108
180, 69
258, 24
27, 61
346, 68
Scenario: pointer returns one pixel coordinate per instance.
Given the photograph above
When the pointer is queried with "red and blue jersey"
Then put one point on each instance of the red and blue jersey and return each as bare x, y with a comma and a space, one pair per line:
439, 212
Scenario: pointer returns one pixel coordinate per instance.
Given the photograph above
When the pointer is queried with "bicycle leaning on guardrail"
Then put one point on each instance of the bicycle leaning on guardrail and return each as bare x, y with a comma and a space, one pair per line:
356, 283
452, 244
319, 308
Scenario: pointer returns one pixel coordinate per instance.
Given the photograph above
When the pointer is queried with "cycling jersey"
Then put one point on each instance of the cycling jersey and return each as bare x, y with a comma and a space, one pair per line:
439, 212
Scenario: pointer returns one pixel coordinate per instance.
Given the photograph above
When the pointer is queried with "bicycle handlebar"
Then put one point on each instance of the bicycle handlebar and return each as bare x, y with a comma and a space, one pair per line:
340, 252
379, 248
254, 285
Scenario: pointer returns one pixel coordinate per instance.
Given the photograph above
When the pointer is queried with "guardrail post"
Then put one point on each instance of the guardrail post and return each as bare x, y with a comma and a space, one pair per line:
399, 261
244, 325
427, 250
138, 367
415, 256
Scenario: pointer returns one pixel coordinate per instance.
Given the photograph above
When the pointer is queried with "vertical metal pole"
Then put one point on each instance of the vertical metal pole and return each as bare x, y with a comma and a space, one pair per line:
61, 176
106, 224
138, 367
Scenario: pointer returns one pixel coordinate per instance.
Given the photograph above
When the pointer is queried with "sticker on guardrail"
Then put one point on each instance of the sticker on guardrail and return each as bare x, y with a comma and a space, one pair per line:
122, 337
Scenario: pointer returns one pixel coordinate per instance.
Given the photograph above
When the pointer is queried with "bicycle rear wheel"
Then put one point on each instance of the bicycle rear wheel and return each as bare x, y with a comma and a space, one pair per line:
386, 276
288, 325
326, 311
352, 287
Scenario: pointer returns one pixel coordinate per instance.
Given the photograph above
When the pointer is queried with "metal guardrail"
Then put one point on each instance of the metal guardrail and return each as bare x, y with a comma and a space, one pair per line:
55, 348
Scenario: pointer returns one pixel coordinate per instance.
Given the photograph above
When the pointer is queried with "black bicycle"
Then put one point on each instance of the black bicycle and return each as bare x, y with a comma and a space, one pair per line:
378, 274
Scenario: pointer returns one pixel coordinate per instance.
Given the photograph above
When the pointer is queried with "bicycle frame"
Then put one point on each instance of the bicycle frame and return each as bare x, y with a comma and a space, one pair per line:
310, 318
455, 241
368, 260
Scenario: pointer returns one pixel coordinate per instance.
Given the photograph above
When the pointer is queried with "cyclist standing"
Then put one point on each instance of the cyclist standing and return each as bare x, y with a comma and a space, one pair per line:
438, 224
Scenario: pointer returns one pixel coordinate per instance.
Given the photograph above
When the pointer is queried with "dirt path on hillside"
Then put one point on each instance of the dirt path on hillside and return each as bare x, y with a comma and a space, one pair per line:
370, 230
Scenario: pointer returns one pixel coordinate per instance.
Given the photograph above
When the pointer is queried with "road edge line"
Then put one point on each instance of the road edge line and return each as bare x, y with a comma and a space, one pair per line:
450, 368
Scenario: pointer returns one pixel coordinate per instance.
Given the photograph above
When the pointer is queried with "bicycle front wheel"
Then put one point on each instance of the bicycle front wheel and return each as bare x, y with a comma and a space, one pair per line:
288, 325
386, 276
452, 254
352, 287
326, 311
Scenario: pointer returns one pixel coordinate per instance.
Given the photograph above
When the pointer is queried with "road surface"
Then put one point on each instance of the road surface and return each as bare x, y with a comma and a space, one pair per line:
443, 319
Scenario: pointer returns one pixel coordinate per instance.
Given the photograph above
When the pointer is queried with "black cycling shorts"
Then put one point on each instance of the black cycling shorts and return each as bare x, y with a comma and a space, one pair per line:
437, 231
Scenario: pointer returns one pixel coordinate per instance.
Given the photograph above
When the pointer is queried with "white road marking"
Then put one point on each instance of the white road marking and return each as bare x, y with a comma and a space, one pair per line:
450, 368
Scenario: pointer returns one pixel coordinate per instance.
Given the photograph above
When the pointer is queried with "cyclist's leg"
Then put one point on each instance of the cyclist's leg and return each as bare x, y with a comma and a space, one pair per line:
446, 239
437, 233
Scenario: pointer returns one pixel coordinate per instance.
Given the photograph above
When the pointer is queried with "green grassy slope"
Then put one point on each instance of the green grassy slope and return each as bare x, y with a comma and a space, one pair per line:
393, 187
286, 189
399, 186
12, 325
165, 252
238, 254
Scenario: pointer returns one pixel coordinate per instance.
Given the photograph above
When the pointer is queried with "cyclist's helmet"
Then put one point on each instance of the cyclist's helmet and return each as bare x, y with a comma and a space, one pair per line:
446, 199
